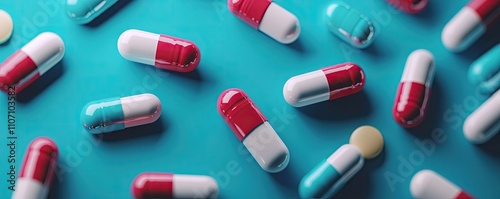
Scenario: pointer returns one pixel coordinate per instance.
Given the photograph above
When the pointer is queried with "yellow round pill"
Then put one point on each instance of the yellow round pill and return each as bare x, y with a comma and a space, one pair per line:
6, 26
369, 141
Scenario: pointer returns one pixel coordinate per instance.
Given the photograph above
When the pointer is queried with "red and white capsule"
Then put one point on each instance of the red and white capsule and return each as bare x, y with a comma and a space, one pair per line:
268, 17
470, 23
167, 185
252, 128
430, 185
414, 89
158, 50
37, 170
31, 61
326, 84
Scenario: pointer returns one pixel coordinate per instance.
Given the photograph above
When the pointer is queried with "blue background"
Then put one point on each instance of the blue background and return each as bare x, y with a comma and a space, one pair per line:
191, 138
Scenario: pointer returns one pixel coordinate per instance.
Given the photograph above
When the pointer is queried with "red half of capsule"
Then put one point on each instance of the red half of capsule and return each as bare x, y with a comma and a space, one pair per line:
344, 79
177, 54
250, 11
239, 112
153, 185
464, 195
409, 6
15, 69
488, 10
40, 161
411, 101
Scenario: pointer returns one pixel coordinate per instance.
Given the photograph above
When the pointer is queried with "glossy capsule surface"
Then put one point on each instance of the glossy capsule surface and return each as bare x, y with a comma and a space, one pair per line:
85, 11
31, 61
37, 170
268, 17
161, 51
168, 185
484, 123
114, 114
409, 6
414, 89
252, 128
326, 84
485, 71
430, 185
350, 25
331, 174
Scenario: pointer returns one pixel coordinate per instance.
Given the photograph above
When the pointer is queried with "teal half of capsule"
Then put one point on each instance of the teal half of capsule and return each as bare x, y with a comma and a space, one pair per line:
84, 11
485, 71
103, 116
319, 181
350, 25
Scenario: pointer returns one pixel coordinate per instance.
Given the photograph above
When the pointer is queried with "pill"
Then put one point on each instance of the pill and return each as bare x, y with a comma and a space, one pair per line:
158, 50
482, 124
414, 89
326, 84
350, 25
485, 71
430, 185
369, 141
268, 17
114, 114
252, 128
85, 11
37, 170
6, 26
470, 23
31, 61
328, 177
167, 185
409, 6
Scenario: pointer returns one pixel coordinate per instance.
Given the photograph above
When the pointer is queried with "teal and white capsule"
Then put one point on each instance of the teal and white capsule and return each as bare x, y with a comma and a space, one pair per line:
331, 174
350, 25
114, 114
85, 11
485, 71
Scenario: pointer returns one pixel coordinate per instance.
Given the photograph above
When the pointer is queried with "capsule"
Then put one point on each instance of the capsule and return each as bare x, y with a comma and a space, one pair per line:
414, 89
268, 17
430, 185
470, 24
484, 122
331, 174
252, 128
409, 6
326, 84
167, 185
31, 61
485, 71
85, 11
157, 50
37, 170
114, 114
349, 25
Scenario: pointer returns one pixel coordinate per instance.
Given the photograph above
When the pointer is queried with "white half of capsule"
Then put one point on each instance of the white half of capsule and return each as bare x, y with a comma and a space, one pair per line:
280, 24
306, 89
484, 122
462, 30
138, 46
45, 50
267, 148
419, 68
194, 186
430, 185
29, 189
347, 160
139, 106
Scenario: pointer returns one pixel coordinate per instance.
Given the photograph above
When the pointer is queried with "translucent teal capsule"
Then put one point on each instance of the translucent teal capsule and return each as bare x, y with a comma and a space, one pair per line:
84, 11
350, 25
485, 71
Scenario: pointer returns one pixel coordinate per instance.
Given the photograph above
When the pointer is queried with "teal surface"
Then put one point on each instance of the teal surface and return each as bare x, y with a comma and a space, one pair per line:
319, 181
103, 116
191, 138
